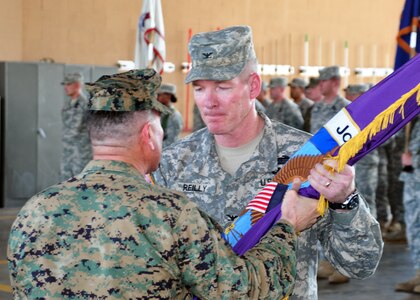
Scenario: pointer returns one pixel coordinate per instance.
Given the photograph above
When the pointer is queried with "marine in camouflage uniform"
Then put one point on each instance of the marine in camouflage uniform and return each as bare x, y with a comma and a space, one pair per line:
412, 209
107, 234
351, 240
172, 123
77, 150
283, 110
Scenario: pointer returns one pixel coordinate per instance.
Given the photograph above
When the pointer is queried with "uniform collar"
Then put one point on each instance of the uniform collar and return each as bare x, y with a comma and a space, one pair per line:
112, 166
266, 154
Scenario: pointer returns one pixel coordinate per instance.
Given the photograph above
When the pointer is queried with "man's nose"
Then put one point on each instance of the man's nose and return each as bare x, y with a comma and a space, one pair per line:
210, 99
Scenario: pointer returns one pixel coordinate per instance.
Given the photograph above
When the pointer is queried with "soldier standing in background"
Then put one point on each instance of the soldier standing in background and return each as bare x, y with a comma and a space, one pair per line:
172, 123
411, 200
77, 150
281, 108
331, 103
297, 93
312, 92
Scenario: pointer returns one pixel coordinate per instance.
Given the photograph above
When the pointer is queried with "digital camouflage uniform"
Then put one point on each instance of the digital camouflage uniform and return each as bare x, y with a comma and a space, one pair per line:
322, 112
351, 241
287, 112
412, 197
172, 125
77, 150
304, 105
367, 179
259, 106
107, 234
390, 189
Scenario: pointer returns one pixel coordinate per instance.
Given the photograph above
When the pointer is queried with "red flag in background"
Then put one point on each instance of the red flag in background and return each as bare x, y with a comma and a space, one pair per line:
150, 42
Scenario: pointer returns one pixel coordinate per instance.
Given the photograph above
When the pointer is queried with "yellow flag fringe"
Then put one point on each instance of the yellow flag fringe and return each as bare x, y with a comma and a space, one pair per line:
381, 122
353, 146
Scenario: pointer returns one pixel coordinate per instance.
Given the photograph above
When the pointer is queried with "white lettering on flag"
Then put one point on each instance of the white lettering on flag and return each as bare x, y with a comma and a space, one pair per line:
342, 127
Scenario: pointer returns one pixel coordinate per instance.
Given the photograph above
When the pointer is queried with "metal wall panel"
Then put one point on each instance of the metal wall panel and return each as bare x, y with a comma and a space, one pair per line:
20, 133
50, 103
33, 97
98, 71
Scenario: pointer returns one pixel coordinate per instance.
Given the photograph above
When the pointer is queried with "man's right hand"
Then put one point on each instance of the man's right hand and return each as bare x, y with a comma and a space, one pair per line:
299, 211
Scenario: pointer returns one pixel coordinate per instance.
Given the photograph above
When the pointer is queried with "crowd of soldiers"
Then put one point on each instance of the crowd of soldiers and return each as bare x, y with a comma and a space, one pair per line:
238, 142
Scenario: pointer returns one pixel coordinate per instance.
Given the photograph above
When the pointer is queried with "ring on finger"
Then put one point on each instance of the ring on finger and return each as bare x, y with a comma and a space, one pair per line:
328, 183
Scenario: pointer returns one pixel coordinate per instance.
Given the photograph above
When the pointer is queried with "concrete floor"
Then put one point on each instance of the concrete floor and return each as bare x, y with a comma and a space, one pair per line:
395, 266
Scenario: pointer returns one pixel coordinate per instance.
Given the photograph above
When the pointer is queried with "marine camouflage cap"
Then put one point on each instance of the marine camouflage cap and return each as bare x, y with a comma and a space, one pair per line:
298, 82
329, 72
356, 88
130, 91
72, 77
278, 81
220, 55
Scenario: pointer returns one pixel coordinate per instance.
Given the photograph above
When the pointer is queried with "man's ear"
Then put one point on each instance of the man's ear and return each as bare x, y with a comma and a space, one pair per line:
146, 134
254, 82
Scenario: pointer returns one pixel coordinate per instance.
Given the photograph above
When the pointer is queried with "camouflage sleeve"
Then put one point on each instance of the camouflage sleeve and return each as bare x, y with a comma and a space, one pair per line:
352, 241
213, 271
295, 118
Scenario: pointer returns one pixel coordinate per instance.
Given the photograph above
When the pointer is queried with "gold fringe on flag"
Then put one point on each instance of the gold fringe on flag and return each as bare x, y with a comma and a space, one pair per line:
381, 122
354, 145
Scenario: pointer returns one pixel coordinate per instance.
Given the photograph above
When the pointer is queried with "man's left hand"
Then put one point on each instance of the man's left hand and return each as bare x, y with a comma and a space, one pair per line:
335, 186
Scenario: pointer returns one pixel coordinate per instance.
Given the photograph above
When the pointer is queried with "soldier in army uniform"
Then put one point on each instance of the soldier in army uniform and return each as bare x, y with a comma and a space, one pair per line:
107, 234
225, 165
281, 108
77, 151
332, 102
312, 92
297, 93
411, 199
172, 123
353, 91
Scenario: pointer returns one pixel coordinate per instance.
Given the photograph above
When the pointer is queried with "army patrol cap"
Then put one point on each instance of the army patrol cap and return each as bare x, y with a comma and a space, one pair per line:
72, 77
220, 55
130, 91
298, 82
313, 82
278, 81
356, 88
328, 73
168, 88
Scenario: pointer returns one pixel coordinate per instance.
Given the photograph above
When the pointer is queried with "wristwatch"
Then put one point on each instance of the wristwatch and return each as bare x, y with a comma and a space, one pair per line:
351, 202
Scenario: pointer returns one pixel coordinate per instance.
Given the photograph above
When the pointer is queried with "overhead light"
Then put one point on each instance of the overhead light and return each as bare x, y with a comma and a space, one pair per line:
370, 72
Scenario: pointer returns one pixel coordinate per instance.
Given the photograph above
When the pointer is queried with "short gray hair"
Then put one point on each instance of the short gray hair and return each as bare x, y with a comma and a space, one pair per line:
115, 125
